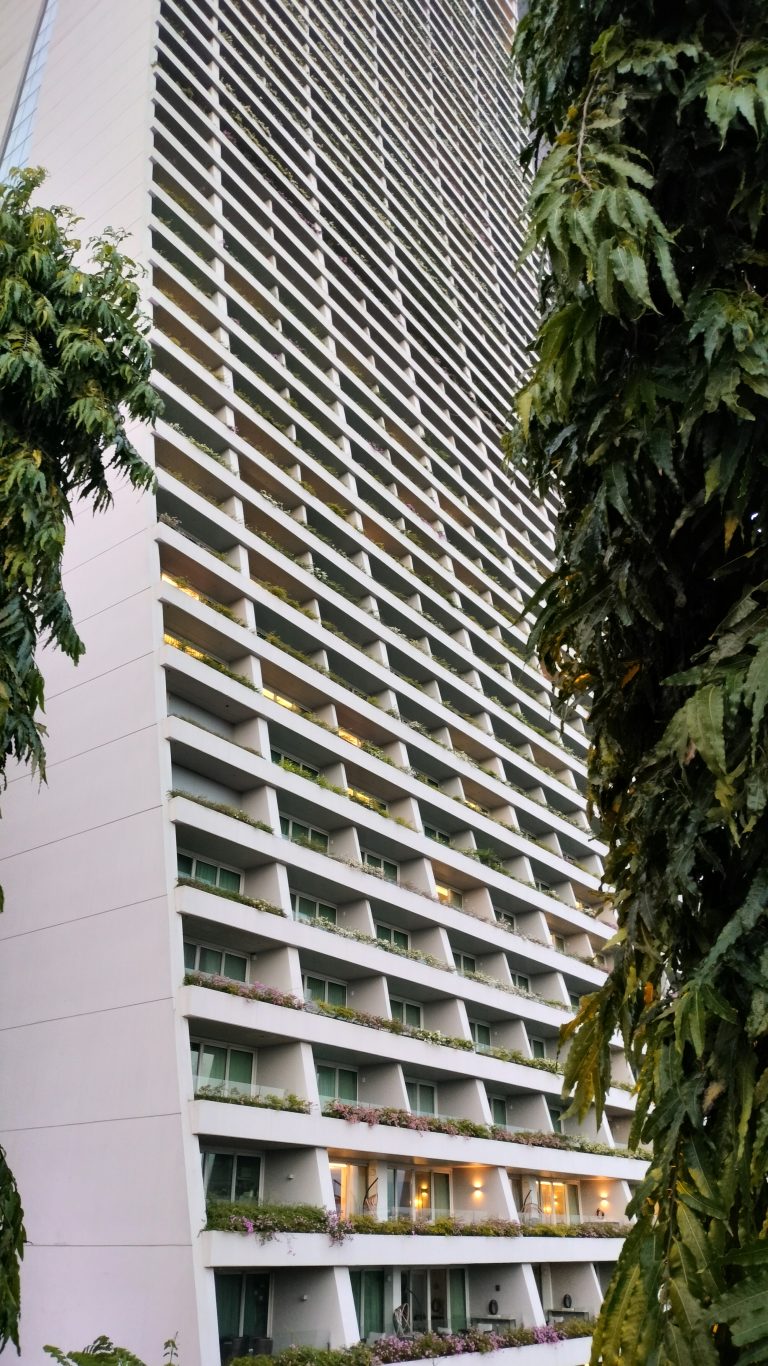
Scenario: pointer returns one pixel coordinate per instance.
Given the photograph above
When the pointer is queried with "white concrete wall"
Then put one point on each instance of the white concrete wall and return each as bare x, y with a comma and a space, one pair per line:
18, 22
90, 1050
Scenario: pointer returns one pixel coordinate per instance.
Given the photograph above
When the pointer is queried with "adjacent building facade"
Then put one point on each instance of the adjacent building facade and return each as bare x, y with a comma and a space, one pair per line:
311, 888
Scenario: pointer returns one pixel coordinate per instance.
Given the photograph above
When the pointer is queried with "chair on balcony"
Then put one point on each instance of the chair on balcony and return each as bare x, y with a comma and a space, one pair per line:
403, 1321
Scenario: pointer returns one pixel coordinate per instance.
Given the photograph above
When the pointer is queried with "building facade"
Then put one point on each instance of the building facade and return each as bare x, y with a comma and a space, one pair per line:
311, 887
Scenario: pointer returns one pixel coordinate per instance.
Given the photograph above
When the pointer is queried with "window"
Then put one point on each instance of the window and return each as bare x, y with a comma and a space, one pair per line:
508, 920
387, 934
323, 990
282, 701
421, 1097
481, 810
242, 1305
440, 836
288, 761
226, 1071
306, 908
520, 981
336, 1083
559, 942
558, 1202
481, 1034
375, 864
464, 962
538, 1047
349, 737
417, 1193
575, 1000
201, 870
298, 832
232, 1176
217, 962
426, 778
376, 804
368, 1291
556, 1116
449, 896
498, 1110
407, 1012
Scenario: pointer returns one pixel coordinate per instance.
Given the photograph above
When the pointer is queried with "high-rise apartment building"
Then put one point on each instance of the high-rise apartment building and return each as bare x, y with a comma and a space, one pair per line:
311, 888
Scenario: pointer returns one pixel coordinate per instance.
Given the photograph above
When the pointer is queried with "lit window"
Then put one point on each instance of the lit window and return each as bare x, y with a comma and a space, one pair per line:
349, 737
282, 701
449, 896
357, 795
182, 645
182, 587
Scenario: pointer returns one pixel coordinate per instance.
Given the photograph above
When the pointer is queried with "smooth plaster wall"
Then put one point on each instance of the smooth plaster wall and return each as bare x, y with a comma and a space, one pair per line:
94, 1068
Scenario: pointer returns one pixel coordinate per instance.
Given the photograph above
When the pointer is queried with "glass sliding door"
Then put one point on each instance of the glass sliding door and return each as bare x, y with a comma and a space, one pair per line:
368, 1295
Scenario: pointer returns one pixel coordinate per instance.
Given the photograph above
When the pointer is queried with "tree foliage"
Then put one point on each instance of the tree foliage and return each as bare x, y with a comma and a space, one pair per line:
74, 368
647, 411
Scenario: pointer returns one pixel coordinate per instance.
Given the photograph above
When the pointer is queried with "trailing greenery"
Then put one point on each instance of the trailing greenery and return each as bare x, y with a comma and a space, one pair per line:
234, 811
259, 991
290, 1102
264, 1221
255, 902
74, 368
647, 412
422, 1347
355, 1113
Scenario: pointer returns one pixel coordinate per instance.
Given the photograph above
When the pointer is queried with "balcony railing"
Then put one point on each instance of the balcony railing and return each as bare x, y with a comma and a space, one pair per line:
207, 1089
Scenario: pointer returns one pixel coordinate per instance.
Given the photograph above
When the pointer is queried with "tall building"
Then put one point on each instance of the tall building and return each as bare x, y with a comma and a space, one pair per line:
311, 888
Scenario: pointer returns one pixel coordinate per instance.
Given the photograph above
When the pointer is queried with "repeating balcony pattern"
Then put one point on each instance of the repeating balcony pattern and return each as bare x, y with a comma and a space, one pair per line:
389, 890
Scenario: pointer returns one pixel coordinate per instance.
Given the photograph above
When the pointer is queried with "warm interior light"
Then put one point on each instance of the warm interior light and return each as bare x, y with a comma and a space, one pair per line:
281, 701
182, 645
183, 587
349, 737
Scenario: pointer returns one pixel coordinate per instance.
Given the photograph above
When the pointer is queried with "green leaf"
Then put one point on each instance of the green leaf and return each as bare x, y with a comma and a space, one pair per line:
630, 269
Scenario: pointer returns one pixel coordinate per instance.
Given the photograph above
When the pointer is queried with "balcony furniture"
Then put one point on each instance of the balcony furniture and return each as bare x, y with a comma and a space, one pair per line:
231, 1348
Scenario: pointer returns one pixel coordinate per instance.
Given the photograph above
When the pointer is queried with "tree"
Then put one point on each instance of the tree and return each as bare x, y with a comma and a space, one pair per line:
74, 367
646, 410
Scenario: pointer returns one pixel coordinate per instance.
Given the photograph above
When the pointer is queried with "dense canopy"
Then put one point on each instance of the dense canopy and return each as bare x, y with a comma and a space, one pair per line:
647, 410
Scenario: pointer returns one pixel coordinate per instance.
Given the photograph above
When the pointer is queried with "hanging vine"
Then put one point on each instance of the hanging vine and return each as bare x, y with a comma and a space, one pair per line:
646, 410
